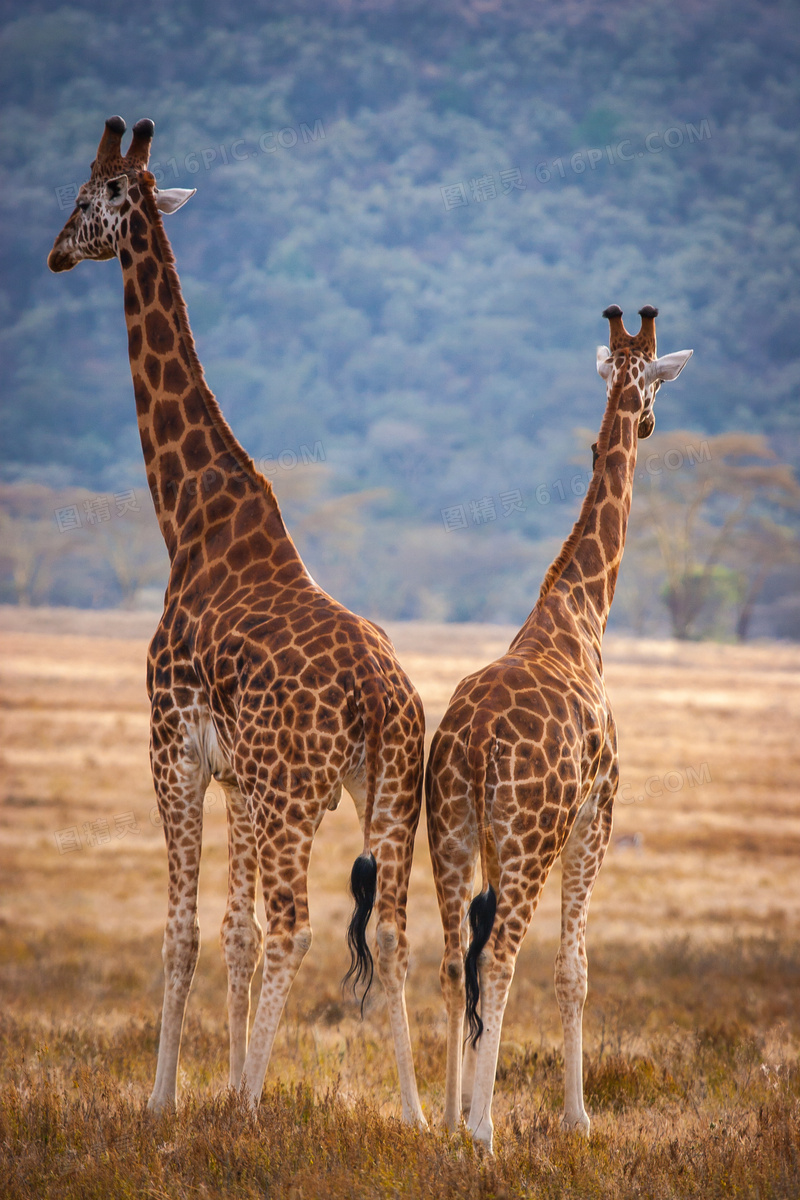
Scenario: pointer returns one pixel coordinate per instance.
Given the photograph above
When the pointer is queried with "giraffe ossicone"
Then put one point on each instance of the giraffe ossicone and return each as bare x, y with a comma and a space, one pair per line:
524, 769
255, 675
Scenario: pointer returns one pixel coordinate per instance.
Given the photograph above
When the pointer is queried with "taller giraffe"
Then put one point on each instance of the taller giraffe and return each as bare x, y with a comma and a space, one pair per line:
256, 677
524, 764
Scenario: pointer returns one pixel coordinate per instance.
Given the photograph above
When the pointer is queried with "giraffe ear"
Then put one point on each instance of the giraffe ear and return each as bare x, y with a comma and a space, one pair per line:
666, 368
116, 191
604, 362
169, 200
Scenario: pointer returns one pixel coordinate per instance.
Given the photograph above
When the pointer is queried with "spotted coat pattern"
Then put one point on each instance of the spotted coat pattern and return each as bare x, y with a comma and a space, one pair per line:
524, 769
256, 676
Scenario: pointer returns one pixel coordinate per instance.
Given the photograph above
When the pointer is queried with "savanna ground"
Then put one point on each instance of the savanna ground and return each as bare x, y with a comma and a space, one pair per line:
693, 1018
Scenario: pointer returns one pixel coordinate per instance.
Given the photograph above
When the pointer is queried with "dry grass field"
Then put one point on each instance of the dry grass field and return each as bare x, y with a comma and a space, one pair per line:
692, 1022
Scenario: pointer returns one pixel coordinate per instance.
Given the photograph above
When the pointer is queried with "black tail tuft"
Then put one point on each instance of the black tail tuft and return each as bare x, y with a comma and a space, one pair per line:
481, 920
363, 881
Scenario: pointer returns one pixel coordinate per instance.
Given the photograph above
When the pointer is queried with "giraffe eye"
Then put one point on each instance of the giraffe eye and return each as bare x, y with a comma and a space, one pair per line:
84, 205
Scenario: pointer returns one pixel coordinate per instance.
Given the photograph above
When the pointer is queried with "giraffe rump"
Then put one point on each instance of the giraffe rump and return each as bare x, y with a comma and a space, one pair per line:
363, 882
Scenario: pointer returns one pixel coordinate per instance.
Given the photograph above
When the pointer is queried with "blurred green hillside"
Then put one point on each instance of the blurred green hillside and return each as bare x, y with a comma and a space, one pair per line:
408, 220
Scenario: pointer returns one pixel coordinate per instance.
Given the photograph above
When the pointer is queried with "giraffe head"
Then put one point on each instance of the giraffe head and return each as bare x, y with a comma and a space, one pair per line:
636, 355
109, 193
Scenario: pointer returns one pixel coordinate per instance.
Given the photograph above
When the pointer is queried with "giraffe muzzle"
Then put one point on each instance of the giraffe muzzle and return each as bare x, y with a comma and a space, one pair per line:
60, 259
647, 423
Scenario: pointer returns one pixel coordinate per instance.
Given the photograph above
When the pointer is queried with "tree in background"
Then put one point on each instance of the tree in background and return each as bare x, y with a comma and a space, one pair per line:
134, 552
73, 546
30, 540
719, 511
764, 546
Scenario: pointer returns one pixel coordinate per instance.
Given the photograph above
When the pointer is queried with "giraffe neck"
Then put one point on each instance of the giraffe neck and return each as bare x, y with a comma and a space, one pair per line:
198, 473
584, 575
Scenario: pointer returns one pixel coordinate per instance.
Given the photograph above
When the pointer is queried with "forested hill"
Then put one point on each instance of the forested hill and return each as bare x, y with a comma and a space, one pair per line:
409, 218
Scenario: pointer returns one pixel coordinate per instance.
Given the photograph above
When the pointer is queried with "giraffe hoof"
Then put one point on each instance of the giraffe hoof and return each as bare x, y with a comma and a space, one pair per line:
579, 1124
416, 1119
483, 1137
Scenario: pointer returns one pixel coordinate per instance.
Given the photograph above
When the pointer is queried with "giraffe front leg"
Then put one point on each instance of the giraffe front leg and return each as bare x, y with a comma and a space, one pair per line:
180, 786
581, 860
241, 937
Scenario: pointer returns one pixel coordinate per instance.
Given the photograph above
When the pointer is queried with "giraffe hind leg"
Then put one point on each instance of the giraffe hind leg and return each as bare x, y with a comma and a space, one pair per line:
470, 1060
451, 825
496, 968
581, 859
180, 782
392, 953
241, 937
284, 850
394, 824
495, 978
454, 850
460, 1072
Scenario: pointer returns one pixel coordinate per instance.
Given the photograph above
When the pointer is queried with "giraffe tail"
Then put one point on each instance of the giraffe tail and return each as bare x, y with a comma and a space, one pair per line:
363, 884
483, 908
364, 875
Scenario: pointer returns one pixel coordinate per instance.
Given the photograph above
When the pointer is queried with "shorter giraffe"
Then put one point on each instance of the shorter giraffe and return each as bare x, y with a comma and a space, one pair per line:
523, 767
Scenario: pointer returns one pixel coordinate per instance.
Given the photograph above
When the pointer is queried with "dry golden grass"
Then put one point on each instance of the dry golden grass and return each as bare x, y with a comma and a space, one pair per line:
692, 1026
